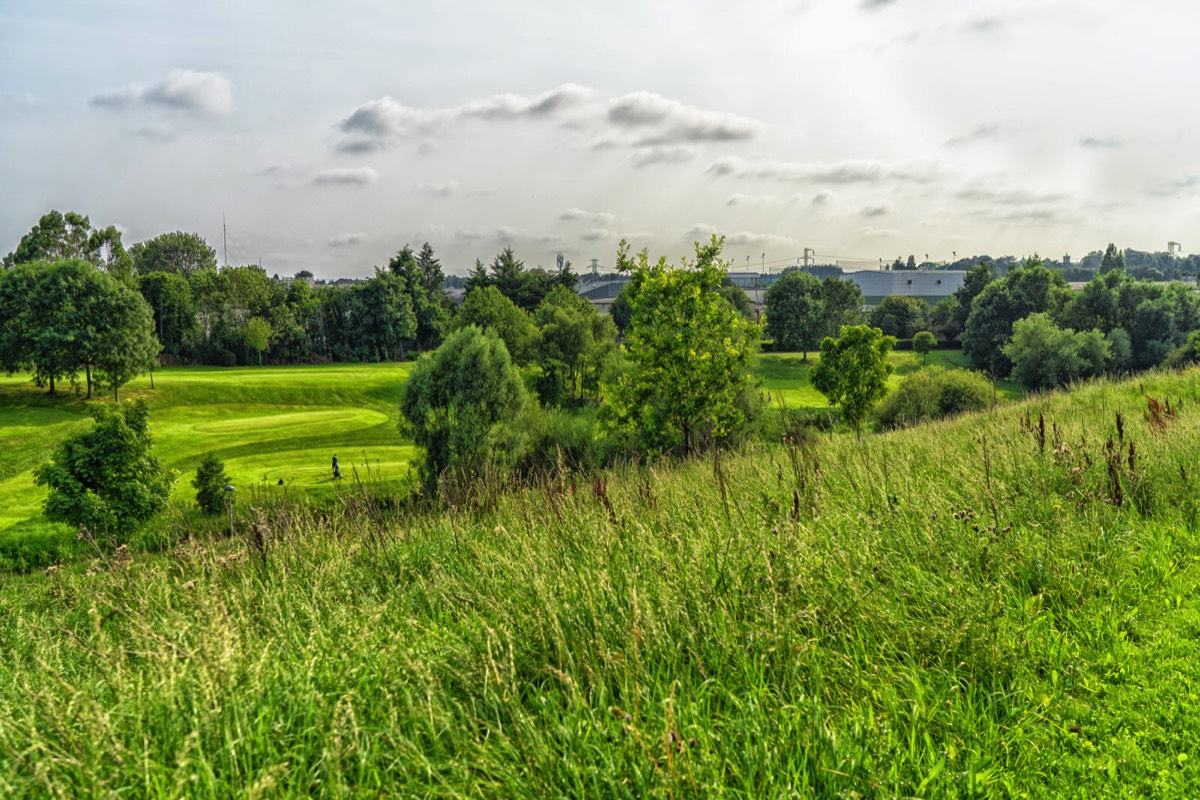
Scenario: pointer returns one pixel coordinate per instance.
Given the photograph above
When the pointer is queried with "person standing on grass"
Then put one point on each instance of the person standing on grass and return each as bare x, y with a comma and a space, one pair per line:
337, 473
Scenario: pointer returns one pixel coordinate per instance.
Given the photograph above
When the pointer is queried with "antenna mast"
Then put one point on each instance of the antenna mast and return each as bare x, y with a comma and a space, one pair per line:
225, 239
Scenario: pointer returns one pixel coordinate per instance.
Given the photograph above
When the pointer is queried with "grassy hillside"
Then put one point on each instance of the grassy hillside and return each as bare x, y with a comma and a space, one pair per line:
1004, 605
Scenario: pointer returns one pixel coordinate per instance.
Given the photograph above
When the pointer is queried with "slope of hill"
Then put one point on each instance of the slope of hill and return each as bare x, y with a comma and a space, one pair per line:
1002, 605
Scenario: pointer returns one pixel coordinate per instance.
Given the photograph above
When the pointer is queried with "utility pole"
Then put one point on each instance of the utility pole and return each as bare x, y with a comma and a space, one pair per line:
225, 239
809, 253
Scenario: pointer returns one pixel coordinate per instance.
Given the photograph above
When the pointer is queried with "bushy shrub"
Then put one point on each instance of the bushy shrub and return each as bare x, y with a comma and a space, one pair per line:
105, 478
210, 482
933, 393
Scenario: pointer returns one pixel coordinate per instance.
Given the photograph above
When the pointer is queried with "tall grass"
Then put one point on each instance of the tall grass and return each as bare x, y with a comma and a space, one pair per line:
993, 606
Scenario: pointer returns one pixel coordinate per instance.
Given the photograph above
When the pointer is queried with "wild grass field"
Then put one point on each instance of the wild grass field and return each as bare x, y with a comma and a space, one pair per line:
1002, 605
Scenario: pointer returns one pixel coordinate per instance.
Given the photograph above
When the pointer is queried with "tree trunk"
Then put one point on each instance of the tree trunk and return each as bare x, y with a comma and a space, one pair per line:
151, 379
116, 398
51, 384
88, 369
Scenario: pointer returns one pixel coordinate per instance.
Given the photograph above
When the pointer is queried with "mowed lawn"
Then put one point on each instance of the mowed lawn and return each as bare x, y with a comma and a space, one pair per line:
785, 376
267, 424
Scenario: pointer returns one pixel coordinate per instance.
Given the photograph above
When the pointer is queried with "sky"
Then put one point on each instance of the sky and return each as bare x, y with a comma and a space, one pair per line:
327, 136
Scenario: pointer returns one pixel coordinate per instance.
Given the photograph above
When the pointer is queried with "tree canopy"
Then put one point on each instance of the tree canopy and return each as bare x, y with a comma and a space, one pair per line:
689, 354
853, 371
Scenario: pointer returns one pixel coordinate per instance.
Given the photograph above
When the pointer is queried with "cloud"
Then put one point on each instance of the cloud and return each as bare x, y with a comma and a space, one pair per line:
379, 124
702, 231
186, 90
668, 121
874, 211
746, 237
595, 217
875, 5
739, 199
1092, 143
1002, 196
25, 101
699, 231
274, 169
840, 172
440, 189
155, 133
981, 133
674, 154
1177, 187
346, 240
985, 26
354, 176
823, 198
877, 233
597, 234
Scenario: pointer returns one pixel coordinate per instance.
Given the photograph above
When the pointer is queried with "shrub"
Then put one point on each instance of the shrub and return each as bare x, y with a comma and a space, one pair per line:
934, 393
106, 478
210, 482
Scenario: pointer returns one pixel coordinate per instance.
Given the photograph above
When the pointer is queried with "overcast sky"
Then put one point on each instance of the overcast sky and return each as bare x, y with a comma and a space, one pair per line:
329, 135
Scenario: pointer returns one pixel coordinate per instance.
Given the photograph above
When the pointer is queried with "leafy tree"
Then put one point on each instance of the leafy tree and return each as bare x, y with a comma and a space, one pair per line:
210, 483
17, 285
55, 237
689, 355
488, 309
477, 278
177, 252
456, 398
121, 345
853, 371
911, 264
843, 302
923, 342
573, 338
621, 310
106, 478
943, 319
796, 314
901, 317
1027, 290
1113, 259
258, 335
170, 299
382, 315
1045, 356
737, 298
974, 282
421, 278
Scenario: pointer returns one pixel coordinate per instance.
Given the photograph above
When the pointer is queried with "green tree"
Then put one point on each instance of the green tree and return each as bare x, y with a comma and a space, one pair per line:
974, 282
796, 314
934, 393
853, 371
1045, 356
573, 338
121, 344
210, 482
689, 355
488, 309
1113, 259
421, 278
178, 253
382, 315
106, 478
942, 319
900, 316
1027, 290
170, 299
258, 335
923, 342
843, 302
621, 312
55, 237
455, 399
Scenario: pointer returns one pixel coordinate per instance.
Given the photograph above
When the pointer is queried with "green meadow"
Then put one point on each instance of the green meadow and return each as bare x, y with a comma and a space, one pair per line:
268, 425
1000, 605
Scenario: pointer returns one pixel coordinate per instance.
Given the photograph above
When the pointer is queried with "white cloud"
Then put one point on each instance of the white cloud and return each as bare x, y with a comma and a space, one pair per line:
595, 217
379, 124
346, 240
440, 189
673, 154
187, 90
353, 176
666, 121
739, 199
877, 233
839, 172
597, 234
879, 210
